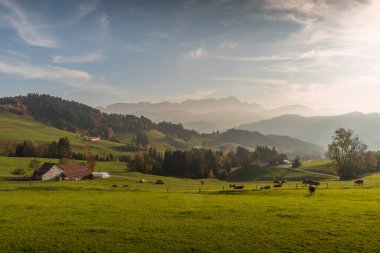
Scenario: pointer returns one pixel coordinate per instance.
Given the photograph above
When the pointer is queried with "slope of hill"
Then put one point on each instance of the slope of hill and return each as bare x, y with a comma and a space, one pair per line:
18, 128
82, 119
320, 129
290, 146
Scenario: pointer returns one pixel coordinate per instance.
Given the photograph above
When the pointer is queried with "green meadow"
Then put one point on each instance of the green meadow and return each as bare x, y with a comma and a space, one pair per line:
92, 216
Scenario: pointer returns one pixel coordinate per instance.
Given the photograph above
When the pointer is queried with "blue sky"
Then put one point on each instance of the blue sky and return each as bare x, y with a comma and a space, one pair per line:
317, 53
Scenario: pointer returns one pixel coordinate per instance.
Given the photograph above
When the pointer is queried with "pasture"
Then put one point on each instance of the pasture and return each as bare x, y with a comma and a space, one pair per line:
92, 216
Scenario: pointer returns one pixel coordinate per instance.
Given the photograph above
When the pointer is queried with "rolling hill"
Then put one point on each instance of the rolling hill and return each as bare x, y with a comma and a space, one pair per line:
319, 129
44, 118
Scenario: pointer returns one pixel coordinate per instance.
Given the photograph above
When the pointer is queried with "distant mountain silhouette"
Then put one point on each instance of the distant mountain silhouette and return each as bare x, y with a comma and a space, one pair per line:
320, 129
207, 115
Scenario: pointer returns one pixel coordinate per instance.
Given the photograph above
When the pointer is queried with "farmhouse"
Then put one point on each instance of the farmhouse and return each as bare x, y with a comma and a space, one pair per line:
48, 171
53, 171
93, 138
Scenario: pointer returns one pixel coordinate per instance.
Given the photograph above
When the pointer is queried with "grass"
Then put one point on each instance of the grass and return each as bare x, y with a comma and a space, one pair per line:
89, 218
19, 128
321, 166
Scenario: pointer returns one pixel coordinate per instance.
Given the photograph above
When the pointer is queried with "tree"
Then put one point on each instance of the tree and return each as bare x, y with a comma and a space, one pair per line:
296, 163
347, 153
18, 171
142, 139
370, 161
34, 164
90, 161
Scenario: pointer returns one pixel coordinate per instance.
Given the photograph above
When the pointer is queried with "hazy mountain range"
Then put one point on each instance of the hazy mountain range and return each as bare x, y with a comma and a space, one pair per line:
207, 115
320, 129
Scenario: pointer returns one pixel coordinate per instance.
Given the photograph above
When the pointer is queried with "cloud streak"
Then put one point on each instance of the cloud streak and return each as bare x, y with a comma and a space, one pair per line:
78, 79
77, 58
25, 28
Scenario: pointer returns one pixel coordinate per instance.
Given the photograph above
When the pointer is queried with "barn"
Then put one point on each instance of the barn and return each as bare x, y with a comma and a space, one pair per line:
53, 171
76, 172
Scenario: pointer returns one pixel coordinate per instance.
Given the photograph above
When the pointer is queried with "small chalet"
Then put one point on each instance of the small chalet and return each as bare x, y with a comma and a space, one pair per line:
93, 138
53, 171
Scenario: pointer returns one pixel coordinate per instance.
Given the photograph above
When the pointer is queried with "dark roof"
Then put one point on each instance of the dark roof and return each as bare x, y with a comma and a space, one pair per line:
76, 171
45, 168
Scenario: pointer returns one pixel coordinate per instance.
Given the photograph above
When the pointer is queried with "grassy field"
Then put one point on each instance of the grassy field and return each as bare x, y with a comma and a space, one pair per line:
184, 215
90, 216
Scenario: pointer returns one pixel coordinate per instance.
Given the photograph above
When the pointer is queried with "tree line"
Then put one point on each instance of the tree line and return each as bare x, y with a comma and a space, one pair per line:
55, 149
197, 163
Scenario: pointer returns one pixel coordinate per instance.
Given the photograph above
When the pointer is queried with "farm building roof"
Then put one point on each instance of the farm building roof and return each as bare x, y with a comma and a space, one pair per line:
76, 171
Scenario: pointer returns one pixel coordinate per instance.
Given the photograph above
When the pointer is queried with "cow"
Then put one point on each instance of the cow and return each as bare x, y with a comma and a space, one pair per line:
125, 186
306, 181
276, 182
267, 187
312, 182
311, 190
284, 182
277, 185
114, 185
239, 187
359, 182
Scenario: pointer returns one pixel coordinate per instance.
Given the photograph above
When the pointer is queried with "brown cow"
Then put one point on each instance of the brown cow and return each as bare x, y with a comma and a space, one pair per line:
239, 187
267, 187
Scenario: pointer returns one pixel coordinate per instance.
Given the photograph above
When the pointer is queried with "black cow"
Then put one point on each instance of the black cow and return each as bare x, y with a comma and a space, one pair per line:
312, 182
277, 185
311, 190
238, 187
359, 182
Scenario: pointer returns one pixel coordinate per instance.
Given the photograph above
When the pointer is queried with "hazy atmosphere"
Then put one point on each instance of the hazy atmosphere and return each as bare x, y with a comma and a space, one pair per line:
321, 54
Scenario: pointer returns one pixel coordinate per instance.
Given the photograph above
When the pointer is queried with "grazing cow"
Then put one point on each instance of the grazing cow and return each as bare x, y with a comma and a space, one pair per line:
311, 190
312, 182
284, 182
125, 185
239, 187
359, 182
277, 185
114, 185
159, 181
267, 187
276, 182
306, 181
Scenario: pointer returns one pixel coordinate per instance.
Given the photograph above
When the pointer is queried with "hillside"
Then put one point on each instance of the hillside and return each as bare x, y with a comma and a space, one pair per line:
38, 117
319, 129
290, 146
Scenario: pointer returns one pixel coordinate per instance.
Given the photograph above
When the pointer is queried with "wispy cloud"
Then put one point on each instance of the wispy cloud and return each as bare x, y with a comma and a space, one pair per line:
26, 29
77, 58
196, 95
86, 7
77, 79
104, 22
196, 54
250, 80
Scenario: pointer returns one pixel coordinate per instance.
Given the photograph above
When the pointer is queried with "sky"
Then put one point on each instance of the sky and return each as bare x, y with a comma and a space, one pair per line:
321, 53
